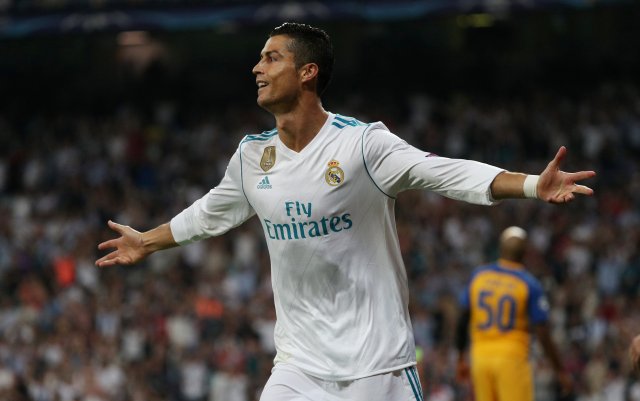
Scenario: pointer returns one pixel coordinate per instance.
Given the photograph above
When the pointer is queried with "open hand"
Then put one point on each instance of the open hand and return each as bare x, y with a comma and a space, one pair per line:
129, 247
556, 186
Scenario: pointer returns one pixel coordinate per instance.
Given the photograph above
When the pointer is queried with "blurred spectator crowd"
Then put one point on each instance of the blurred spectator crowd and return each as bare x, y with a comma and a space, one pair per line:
55, 5
196, 323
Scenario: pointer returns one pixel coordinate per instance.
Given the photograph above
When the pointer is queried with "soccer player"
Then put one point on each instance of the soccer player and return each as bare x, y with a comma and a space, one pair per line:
502, 304
323, 187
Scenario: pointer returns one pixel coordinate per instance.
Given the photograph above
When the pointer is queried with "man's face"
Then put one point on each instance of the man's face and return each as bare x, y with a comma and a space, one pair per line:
276, 75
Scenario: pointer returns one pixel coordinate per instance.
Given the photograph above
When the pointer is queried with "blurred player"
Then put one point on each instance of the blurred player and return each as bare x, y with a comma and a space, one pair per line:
324, 186
502, 304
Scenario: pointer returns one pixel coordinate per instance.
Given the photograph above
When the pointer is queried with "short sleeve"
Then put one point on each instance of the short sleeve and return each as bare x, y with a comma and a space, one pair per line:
538, 306
221, 209
465, 296
395, 166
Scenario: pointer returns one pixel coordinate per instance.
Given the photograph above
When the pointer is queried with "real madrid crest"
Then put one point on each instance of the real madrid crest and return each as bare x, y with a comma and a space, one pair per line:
334, 174
268, 158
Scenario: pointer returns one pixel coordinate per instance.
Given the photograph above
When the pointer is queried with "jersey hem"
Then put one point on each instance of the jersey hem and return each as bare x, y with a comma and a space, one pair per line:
352, 377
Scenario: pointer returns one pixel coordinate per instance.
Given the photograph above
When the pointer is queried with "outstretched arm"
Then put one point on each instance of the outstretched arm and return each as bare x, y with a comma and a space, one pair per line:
553, 185
132, 246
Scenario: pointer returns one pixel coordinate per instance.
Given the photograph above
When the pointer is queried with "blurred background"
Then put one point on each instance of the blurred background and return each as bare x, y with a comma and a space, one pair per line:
130, 109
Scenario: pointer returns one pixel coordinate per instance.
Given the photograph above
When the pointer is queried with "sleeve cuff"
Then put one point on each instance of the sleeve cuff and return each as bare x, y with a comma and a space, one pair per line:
179, 229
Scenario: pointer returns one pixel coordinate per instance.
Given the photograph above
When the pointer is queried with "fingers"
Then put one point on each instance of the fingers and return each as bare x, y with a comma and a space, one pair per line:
119, 228
112, 258
583, 190
108, 260
569, 196
112, 243
564, 198
577, 188
115, 258
581, 175
561, 186
557, 160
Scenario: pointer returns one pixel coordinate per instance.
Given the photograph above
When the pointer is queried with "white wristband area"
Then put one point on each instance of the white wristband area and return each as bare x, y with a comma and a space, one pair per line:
530, 186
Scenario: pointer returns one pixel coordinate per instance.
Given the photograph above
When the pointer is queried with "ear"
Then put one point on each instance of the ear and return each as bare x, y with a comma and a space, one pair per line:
308, 72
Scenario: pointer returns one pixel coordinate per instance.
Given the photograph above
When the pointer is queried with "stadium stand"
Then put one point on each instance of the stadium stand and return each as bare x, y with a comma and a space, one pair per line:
196, 323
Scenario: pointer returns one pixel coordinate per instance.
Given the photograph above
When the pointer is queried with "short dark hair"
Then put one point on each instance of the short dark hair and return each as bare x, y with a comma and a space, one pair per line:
309, 45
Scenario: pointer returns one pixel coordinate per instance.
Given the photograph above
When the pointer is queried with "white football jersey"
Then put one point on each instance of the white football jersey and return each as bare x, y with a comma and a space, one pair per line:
339, 282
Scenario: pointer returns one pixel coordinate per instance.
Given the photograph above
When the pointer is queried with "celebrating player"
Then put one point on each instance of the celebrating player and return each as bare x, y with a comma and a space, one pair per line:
323, 187
502, 304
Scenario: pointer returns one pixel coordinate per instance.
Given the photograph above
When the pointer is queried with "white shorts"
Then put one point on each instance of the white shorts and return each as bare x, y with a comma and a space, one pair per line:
288, 383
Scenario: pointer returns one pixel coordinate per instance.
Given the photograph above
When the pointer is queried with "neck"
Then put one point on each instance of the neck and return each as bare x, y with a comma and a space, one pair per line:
298, 126
509, 262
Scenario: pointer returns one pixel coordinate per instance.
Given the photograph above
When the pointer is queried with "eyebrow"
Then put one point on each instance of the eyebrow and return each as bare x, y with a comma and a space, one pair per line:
269, 53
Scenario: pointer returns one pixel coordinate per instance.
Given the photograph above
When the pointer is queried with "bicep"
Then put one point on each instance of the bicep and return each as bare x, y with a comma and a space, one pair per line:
395, 166
226, 206
221, 209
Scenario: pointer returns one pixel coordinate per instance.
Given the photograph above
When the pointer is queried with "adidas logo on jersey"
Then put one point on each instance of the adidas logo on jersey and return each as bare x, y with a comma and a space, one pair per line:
264, 184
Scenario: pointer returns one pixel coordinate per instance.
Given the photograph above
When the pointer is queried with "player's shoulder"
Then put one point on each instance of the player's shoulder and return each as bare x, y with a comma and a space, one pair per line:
373, 135
531, 280
351, 125
342, 122
478, 270
518, 273
259, 139
495, 268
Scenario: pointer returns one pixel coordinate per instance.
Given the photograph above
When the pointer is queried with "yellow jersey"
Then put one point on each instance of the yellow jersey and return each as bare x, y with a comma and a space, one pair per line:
505, 301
